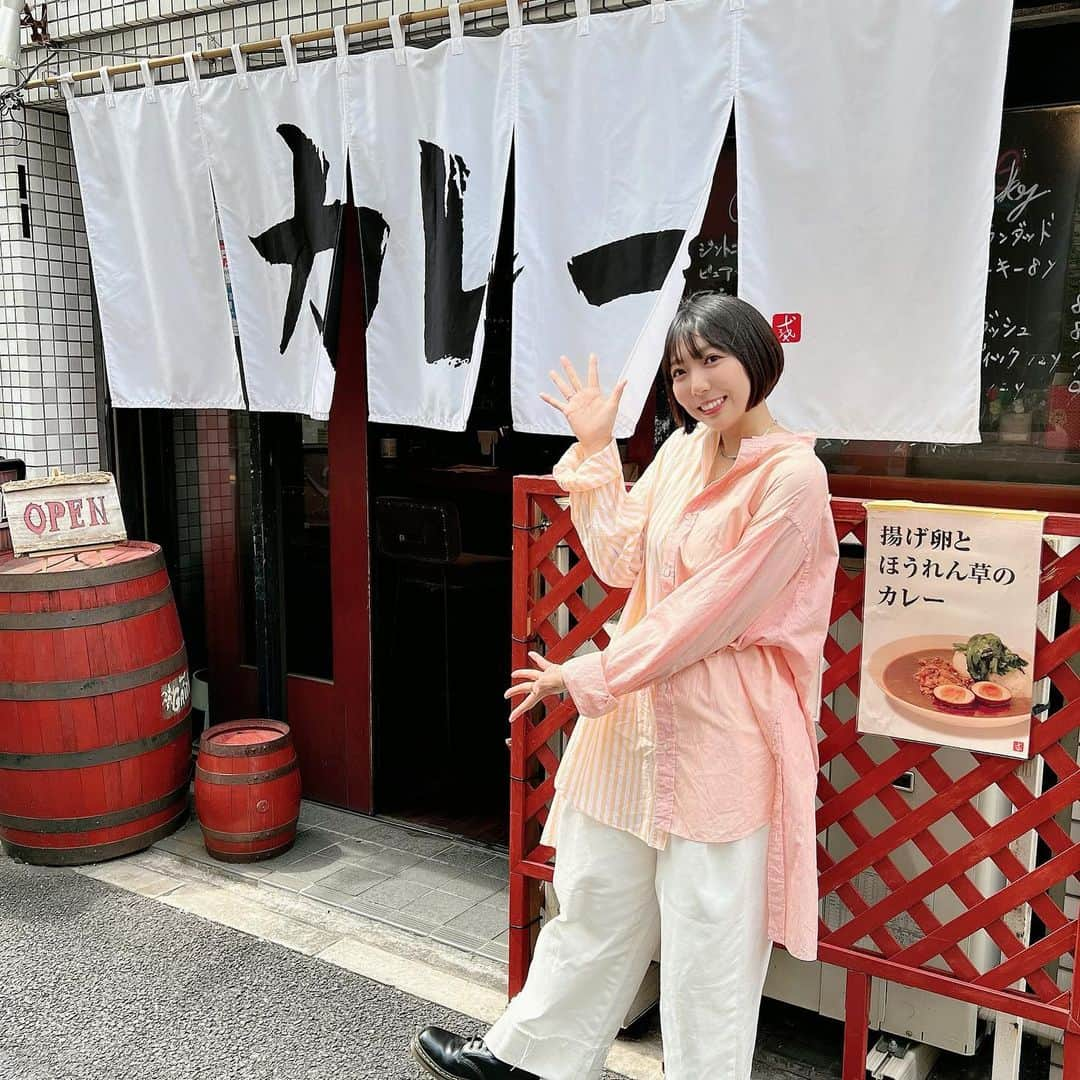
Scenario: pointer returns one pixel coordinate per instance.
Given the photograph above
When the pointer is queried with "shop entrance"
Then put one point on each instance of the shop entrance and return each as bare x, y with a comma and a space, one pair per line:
311, 476
440, 561
441, 514
393, 576
441, 539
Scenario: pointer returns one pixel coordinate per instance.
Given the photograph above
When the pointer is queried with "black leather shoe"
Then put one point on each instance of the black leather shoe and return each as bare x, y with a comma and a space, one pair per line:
451, 1057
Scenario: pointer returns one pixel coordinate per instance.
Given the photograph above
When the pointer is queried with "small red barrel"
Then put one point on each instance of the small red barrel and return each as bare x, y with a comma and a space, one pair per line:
247, 790
95, 737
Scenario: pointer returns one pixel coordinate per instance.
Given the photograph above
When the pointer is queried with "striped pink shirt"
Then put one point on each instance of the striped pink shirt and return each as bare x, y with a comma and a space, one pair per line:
698, 719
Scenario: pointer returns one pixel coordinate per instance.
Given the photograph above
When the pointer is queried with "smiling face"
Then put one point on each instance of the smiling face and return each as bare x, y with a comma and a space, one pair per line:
709, 383
721, 361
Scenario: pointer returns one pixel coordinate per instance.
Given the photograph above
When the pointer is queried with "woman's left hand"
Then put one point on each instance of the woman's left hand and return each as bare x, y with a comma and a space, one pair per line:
536, 683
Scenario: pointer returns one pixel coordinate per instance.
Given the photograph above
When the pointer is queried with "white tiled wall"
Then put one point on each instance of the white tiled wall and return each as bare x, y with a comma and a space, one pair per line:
48, 389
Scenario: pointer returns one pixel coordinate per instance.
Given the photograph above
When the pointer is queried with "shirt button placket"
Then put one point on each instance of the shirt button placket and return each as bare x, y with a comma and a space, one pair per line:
667, 567
667, 570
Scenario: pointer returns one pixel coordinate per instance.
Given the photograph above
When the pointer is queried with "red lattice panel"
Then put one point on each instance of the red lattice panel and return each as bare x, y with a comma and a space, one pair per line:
893, 933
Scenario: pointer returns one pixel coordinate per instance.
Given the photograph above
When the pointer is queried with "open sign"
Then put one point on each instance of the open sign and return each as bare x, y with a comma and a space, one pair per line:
55, 512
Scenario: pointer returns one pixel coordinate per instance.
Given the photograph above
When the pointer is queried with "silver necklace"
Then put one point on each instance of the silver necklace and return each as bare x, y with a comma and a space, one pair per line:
734, 457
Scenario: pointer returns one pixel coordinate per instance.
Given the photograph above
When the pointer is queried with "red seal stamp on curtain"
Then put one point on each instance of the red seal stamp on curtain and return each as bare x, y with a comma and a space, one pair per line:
787, 326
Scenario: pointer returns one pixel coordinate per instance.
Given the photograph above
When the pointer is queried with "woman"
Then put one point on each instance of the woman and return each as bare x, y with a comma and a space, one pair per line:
684, 807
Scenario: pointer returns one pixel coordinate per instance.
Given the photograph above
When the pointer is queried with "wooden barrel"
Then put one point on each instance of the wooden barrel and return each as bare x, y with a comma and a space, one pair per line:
95, 742
247, 790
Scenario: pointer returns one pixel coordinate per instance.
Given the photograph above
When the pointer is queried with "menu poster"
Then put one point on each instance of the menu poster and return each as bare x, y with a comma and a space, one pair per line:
949, 625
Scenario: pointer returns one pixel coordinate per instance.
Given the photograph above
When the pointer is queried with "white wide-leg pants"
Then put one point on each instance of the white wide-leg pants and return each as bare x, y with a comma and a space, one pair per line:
705, 904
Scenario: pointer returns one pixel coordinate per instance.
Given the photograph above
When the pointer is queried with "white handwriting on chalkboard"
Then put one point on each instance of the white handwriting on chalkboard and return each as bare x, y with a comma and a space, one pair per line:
1032, 269
1007, 358
1016, 191
992, 329
1022, 233
723, 247
714, 272
1050, 360
715, 260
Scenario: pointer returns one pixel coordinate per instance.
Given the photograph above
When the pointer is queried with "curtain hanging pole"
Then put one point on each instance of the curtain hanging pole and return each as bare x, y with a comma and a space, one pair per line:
306, 38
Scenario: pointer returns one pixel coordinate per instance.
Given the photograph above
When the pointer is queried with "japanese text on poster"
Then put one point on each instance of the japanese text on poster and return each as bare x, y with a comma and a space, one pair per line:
949, 625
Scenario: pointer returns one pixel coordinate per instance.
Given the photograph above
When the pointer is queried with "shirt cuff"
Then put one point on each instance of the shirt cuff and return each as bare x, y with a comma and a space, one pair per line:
587, 685
576, 472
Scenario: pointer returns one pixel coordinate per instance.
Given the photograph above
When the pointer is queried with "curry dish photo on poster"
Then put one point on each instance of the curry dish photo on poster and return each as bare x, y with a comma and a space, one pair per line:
949, 626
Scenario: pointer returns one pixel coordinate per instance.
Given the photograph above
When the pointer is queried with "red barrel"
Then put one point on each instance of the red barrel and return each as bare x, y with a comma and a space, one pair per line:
95, 739
247, 790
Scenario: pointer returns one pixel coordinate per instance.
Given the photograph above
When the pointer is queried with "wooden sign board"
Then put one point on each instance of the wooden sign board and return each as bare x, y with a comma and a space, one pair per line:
50, 513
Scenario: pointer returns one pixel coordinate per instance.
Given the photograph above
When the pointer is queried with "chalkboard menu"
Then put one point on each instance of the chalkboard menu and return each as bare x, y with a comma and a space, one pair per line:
1031, 349
714, 252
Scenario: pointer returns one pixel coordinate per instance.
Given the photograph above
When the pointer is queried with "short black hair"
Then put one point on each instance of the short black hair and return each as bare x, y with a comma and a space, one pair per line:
730, 324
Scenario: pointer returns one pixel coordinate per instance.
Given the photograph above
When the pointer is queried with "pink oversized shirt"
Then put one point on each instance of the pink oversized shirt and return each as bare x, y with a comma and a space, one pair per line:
698, 718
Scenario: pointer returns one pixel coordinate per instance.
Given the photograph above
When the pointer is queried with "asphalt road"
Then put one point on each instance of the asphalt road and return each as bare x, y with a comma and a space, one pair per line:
100, 984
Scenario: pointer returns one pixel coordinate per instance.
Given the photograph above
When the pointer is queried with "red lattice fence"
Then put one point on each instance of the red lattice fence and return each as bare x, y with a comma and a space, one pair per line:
1020, 981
